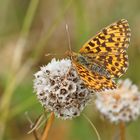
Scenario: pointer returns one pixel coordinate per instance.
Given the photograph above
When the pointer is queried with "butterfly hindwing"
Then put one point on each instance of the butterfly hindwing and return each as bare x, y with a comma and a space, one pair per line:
94, 80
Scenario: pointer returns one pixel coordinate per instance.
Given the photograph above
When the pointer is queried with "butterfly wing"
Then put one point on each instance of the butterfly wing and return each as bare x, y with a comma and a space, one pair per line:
109, 47
93, 80
116, 64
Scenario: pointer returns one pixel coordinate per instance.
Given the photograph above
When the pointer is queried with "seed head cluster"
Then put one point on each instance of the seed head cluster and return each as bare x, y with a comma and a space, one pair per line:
60, 90
122, 104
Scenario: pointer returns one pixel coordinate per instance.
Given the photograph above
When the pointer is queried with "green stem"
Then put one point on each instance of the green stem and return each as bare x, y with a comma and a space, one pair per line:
7, 96
17, 57
82, 30
94, 128
22, 107
21, 42
29, 18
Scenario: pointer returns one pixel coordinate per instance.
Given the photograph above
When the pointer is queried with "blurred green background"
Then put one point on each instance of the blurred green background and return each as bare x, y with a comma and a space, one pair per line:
29, 29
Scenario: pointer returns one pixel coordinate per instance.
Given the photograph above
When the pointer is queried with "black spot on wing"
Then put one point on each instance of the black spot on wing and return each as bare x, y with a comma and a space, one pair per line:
91, 44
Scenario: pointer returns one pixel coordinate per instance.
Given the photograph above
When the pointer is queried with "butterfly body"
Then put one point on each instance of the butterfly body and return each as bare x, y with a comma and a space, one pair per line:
100, 70
104, 57
92, 66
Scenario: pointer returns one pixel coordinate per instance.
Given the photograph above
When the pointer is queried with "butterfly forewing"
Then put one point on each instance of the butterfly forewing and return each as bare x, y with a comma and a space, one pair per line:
116, 64
108, 48
110, 39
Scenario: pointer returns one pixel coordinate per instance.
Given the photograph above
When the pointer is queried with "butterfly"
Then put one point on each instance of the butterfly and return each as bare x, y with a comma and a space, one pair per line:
104, 58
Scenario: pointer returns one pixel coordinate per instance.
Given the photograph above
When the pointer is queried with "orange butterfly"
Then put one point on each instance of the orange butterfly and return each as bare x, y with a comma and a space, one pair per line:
104, 56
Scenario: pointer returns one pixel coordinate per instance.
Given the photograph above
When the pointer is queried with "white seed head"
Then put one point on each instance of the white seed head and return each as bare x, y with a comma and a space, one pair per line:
60, 90
122, 104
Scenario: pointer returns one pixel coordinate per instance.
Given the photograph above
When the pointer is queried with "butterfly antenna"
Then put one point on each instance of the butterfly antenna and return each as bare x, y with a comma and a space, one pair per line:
51, 54
69, 41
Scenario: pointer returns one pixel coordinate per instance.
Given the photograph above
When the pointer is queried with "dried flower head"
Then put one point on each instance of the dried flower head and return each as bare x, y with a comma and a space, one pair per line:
60, 90
122, 104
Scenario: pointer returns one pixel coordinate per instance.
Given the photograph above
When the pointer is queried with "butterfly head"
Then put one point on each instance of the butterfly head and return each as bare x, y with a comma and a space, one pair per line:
77, 57
72, 55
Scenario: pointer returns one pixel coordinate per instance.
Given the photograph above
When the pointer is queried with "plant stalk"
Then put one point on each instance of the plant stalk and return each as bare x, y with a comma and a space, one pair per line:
47, 127
122, 130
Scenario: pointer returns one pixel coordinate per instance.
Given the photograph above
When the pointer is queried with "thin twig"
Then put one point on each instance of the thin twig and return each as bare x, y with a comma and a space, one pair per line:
32, 125
94, 128
48, 126
37, 123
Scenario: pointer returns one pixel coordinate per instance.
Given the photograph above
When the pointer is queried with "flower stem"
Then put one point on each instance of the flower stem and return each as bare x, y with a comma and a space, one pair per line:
48, 126
16, 72
122, 130
94, 128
